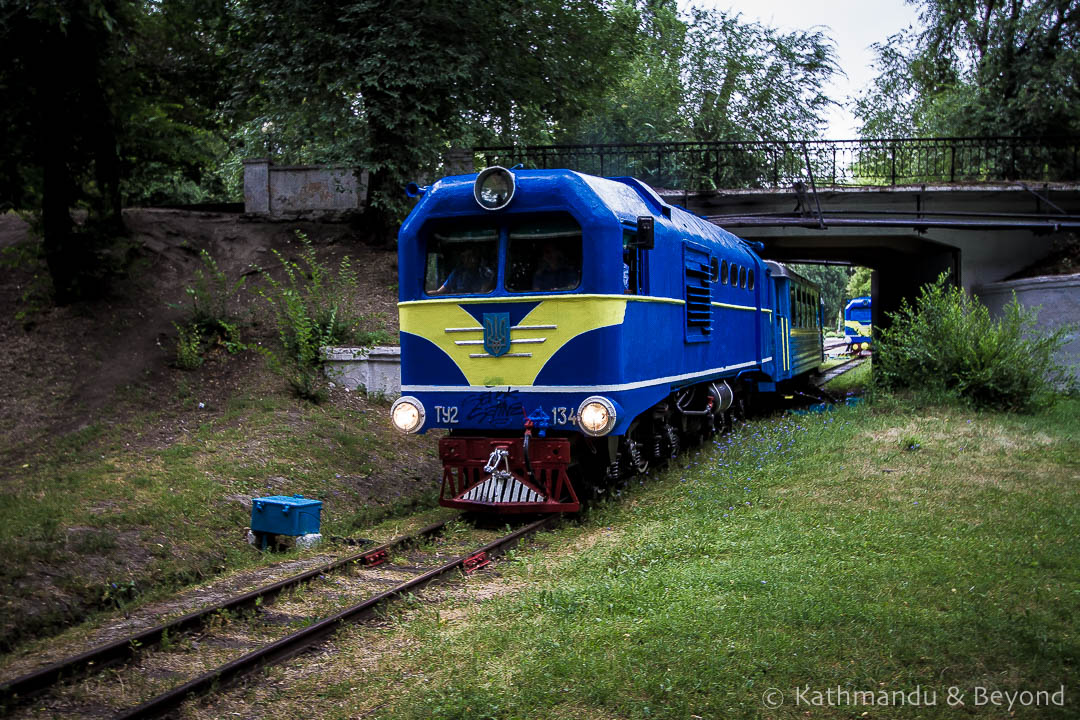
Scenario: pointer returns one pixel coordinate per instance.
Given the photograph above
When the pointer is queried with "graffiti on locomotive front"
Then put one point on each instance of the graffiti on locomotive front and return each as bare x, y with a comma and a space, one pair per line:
493, 409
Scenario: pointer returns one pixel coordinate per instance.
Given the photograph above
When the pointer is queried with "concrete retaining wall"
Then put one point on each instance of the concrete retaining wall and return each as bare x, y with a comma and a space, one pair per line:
287, 191
375, 370
1059, 296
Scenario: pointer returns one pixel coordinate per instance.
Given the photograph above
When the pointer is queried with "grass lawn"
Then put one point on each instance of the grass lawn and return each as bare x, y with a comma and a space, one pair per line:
874, 550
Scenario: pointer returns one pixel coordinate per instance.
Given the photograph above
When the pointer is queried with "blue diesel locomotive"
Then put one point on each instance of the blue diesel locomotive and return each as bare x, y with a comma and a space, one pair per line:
560, 324
858, 327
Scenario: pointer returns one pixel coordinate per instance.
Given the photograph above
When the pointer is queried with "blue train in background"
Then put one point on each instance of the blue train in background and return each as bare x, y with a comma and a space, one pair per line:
563, 327
858, 327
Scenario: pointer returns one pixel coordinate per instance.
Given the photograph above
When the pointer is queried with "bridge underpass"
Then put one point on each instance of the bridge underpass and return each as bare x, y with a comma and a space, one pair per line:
908, 235
980, 208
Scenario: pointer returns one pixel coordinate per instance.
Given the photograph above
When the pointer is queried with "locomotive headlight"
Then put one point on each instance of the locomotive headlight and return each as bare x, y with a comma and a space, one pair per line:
596, 415
407, 414
494, 188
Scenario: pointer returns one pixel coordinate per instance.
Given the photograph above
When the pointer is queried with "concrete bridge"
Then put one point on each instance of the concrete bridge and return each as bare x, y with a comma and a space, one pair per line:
979, 208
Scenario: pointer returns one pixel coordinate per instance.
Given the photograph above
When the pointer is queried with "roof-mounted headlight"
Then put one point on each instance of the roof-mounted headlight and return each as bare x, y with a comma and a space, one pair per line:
596, 416
494, 188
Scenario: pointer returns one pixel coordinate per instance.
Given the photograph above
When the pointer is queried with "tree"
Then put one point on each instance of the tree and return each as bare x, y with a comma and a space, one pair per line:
746, 81
644, 103
76, 130
859, 283
979, 67
832, 280
391, 85
709, 76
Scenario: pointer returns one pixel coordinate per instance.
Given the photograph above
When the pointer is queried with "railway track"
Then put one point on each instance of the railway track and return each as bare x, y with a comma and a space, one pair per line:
156, 670
838, 370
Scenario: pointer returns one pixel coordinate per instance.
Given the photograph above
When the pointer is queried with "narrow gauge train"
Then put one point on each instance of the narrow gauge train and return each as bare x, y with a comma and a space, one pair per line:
857, 324
561, 325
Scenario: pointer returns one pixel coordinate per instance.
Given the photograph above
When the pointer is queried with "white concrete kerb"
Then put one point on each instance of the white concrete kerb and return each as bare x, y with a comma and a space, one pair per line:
375, 370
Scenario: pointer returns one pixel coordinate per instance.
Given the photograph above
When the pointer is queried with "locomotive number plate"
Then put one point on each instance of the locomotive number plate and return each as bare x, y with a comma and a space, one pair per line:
446, 415
563, 416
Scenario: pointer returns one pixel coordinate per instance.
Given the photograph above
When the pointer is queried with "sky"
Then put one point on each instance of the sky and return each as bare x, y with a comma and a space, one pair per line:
854, 25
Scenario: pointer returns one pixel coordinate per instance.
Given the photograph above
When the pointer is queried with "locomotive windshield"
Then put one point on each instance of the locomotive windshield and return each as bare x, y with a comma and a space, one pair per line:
544, 255
462, 261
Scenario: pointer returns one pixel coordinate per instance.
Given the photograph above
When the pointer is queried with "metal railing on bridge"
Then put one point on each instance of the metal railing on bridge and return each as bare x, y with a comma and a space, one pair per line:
775, 164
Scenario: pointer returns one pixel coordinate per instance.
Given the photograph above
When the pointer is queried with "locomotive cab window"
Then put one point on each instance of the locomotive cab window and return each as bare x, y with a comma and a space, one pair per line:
544, 255
461, 260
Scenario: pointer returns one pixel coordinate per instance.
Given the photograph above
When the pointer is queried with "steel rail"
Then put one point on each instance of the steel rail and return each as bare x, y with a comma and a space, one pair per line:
298, 642
837, 370
33, 683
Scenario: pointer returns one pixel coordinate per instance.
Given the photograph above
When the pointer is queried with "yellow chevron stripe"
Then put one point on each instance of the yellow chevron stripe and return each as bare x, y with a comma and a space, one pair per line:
571, 315
860, 329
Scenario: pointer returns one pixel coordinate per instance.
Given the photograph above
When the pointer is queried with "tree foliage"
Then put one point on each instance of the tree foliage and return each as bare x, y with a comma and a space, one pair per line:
833, 282
392, 85
166, 97
859, 283
709, 75
979, 67
102, 98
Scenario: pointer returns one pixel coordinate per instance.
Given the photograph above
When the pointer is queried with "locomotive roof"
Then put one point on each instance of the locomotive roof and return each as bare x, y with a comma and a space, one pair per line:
545, 190
781, 270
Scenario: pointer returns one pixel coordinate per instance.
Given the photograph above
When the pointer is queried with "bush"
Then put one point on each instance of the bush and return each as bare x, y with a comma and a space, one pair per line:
310, 311
949, 344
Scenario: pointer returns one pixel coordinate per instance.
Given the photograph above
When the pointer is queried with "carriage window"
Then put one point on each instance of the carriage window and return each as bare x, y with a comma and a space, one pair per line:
544, 255
461, 260
750, 280
723, 272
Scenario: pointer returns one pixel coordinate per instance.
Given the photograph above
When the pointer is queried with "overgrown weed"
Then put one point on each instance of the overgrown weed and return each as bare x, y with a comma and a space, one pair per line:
311, 310
947, 345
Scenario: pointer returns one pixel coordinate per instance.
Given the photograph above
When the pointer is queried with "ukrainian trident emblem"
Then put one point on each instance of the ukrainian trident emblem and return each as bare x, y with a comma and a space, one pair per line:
496, 333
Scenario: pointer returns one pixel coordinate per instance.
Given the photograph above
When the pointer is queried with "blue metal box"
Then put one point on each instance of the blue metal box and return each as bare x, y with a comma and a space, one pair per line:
285, 515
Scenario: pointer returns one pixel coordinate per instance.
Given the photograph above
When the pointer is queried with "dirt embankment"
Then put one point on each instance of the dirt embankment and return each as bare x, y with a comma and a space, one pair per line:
101, 435
62, 367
